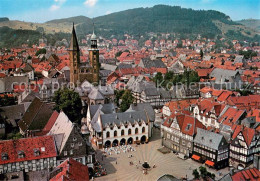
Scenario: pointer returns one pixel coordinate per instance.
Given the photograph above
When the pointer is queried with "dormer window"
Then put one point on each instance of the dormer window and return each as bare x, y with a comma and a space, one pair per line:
4, 156
74, 139
36, 152
21, 154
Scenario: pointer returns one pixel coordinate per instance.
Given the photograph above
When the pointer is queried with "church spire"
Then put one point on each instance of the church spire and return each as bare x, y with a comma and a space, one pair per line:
73, 41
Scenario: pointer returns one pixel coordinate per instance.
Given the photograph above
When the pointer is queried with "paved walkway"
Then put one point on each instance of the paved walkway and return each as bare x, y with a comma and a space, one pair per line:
119, 168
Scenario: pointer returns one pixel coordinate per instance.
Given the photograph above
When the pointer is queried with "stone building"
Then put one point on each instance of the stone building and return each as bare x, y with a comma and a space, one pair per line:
81, 71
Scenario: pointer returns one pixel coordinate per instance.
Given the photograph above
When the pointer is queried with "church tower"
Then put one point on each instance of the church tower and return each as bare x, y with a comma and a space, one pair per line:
94, 58
74, 55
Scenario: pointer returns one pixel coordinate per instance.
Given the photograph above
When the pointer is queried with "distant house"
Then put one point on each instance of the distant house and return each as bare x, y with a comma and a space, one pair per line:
178, 132
242, 175
177, 67
7, 84
157, 64
227, 78
28, 70
211, 148
28, 154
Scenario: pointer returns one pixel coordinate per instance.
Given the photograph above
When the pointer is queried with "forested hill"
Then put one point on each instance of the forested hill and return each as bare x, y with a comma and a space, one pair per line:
138, 22
162, 18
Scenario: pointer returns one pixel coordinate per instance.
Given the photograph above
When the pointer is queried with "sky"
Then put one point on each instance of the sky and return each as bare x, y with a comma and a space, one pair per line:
44, 10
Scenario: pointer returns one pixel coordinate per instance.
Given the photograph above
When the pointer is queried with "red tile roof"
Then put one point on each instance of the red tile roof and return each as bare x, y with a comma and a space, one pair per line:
231, 116
248, 174
245, 102
72, 170
248, 133
44, 144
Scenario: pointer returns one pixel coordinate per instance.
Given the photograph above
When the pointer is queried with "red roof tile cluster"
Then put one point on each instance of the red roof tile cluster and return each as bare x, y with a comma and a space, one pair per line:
71, 170
248, 133
245, 102
188, 124
248, 174
231, 116
27, 146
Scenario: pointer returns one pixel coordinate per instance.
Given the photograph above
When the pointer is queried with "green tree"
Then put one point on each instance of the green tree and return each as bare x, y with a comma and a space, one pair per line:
203, 172
69, 102
118, 54
127, 100
158, 78
196, 174
40, 51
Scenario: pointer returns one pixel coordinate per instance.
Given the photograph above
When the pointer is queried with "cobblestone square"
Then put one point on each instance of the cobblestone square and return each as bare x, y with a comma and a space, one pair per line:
118, 165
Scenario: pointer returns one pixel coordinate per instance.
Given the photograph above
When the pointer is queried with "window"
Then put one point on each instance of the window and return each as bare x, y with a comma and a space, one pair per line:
74, 139
108, 134
136, 130
71, 152
129, 131
143, 129
80, 143
72, 145
65, 153
122, 132
115, 133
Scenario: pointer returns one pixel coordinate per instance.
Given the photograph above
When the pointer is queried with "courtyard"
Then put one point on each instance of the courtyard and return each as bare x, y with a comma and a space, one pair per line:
118, 165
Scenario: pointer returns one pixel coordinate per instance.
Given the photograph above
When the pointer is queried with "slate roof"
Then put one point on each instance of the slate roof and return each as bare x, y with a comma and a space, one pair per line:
6, 83
141, 107
106, 90
105, 108
148, 63
95, 95
44, 144
36, 116
223, 74
14, 112
209, 139
122, 118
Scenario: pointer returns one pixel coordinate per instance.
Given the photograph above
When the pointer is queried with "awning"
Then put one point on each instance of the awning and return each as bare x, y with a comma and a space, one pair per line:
195, 157
209, 163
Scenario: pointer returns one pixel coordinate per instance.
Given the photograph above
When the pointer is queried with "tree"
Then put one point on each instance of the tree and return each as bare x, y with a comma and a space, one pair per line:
196, 174
203, 172
158, 78
69, 102
40, 51
127, 100
201, 53
118, 54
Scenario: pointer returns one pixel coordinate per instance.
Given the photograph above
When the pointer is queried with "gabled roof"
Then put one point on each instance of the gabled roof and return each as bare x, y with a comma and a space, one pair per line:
95, 95
36, 116
70, 170
231, 116
50, 123
63, 126
248, 133
26, 146
143, 107
209, 139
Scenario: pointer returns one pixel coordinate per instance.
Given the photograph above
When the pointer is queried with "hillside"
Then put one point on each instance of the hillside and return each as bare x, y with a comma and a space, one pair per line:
140, 21
251, 23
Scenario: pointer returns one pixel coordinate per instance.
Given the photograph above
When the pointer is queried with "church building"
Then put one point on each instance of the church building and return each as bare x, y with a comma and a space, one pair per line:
81, 71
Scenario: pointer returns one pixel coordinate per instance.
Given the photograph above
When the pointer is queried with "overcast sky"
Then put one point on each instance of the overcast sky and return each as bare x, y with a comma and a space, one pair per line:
44, 10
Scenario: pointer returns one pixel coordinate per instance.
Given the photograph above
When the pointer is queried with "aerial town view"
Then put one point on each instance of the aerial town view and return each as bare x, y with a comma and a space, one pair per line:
116, 90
